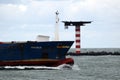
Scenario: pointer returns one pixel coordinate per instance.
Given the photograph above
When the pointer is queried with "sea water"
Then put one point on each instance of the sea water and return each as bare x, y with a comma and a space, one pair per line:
85, 68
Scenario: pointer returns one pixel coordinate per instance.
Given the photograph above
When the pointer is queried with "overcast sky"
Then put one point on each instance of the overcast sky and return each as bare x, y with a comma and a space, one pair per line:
23, 20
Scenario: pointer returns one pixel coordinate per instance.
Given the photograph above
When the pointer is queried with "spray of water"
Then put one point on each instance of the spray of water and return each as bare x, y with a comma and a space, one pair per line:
75, 67
61, 67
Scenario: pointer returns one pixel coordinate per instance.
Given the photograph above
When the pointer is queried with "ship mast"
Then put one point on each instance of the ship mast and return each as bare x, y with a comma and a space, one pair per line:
57, 27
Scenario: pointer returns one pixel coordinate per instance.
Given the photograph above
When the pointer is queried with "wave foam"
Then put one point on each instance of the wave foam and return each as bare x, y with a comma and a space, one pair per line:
61, 67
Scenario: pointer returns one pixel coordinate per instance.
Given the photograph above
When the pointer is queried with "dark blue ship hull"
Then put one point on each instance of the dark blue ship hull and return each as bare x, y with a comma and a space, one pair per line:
31, 53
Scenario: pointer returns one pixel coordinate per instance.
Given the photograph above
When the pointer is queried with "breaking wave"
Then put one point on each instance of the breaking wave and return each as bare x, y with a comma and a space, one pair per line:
61, 67
28, 68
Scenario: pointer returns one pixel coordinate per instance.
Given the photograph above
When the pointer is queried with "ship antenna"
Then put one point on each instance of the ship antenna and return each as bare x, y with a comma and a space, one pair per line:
57, 27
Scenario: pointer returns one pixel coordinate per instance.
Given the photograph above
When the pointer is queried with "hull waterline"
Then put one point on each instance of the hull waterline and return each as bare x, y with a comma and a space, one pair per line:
47, 62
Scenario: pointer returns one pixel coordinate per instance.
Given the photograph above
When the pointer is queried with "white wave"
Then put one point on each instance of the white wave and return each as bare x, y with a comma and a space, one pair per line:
65, 66
14, 67
31, 67
70, 67
75, 67
60, 67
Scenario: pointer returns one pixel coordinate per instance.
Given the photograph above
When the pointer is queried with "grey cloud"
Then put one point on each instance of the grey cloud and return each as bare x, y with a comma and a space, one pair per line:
10, 1
60, 0
52, 0
14, 1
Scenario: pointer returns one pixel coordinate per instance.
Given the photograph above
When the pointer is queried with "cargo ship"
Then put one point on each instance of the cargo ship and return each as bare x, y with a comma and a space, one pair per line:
35, 53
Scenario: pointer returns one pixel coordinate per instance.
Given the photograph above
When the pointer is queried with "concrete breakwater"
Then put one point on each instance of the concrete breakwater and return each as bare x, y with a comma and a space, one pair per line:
95, 51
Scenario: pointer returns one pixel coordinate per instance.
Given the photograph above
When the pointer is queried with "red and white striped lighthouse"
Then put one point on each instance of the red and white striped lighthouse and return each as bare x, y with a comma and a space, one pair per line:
77, 25
77, 40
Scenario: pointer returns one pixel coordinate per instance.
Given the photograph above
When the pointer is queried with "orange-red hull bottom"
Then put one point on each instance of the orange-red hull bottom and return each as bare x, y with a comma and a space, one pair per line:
52, 63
